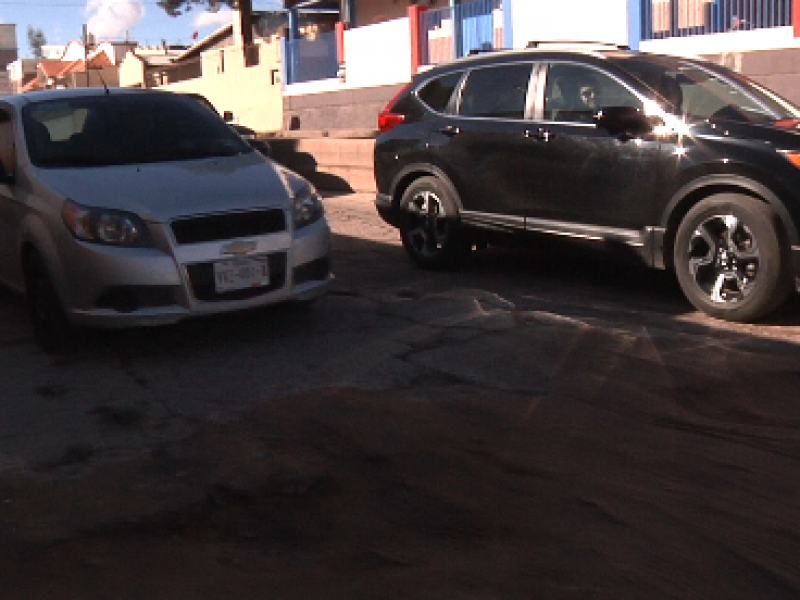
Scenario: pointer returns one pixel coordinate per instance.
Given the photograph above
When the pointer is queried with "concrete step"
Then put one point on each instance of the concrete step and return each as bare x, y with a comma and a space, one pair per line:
331, 163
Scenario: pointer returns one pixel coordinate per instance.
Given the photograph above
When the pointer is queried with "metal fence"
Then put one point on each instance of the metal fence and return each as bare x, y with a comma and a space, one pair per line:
450, 33
311, 59
681, 18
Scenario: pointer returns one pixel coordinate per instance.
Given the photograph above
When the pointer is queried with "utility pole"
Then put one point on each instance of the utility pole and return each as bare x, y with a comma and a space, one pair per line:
86, 52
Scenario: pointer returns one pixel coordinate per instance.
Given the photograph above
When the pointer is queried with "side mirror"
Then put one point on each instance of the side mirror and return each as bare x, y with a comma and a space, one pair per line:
627, 121
228, 116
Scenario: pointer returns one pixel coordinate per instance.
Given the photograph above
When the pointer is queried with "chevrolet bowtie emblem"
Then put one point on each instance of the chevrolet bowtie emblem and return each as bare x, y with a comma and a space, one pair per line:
239, 248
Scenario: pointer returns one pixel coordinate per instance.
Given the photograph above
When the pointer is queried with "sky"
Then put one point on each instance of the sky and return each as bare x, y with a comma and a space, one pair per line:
140, 20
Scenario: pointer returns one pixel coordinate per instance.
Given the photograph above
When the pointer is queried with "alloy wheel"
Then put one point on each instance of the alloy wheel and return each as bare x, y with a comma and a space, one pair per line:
427, 223
724, 259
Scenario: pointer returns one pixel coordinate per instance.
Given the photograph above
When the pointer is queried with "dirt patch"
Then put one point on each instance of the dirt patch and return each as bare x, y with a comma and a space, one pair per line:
430, 493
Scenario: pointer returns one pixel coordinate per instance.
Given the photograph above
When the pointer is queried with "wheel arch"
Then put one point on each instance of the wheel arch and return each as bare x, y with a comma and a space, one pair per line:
412, 172
35, 238
696, 191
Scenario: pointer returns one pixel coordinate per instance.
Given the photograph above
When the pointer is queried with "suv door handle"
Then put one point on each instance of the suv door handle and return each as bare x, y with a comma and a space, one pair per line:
541, 134
450, 130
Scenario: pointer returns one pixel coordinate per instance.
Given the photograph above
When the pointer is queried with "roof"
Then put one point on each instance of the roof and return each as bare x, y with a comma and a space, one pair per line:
210, 39
62, 68
31, 85
63, 93
51, 67
326, 4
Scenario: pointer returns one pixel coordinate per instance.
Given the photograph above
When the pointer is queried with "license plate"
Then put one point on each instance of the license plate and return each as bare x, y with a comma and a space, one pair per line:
241, 273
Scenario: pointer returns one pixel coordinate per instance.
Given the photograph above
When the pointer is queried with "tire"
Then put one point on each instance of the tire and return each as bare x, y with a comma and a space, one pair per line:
430, 227
50, 325
731, 258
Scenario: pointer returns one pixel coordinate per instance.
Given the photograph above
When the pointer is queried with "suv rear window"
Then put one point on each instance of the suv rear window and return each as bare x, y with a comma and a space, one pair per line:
438, 92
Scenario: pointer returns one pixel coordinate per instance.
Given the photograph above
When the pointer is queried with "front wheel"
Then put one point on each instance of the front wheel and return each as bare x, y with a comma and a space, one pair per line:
50, 325
730, 258
430, 230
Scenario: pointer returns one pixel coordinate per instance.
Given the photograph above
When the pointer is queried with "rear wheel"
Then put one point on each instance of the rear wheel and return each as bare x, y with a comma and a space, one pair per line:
50, 325
431, 230
730, 258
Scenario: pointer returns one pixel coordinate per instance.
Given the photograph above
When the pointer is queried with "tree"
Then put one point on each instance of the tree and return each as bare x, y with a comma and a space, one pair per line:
245, 8
36, 40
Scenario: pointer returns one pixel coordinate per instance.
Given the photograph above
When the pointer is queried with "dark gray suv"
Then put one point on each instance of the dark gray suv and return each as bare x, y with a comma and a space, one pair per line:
690, 165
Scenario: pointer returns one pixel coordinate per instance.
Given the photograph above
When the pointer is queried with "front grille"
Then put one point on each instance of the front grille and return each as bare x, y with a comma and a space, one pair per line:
201, 278
210, 228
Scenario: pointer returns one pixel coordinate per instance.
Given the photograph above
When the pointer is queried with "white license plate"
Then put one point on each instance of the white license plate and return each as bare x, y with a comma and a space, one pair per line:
241, 273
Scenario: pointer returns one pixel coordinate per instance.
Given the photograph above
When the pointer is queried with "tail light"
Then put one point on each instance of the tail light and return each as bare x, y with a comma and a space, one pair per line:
387, 119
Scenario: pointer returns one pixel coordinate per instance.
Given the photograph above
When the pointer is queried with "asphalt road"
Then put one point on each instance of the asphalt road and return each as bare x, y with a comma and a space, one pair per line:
545, 423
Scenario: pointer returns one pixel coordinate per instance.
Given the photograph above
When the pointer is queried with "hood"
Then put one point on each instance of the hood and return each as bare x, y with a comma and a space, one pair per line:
164, 191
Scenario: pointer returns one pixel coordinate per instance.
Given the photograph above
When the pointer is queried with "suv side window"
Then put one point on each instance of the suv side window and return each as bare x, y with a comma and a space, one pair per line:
436, 94
496, 92
576, 93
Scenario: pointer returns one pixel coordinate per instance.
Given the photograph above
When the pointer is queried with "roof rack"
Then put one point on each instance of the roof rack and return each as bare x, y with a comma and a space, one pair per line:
476, 51
538, 43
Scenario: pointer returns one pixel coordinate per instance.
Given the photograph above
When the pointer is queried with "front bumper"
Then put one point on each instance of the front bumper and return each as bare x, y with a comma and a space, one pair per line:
124, 287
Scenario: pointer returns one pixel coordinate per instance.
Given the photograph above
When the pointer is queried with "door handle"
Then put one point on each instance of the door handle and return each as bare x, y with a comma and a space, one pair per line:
541, 134
450, 130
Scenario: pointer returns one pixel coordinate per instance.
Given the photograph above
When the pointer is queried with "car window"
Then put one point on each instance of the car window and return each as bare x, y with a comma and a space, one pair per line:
497, 92
125, 128
576, 93
438, 92
700, 93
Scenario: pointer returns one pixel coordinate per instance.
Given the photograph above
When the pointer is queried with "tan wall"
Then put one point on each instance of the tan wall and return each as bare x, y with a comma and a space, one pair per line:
131, 71
253, 94
105, 77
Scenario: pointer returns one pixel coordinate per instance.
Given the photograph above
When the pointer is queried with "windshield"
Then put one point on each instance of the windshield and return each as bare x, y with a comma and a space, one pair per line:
698, 92
116, 129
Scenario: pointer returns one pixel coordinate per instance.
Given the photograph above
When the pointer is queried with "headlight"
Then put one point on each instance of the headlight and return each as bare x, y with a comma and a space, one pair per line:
306, 207
792, 156
306, 202
104, 226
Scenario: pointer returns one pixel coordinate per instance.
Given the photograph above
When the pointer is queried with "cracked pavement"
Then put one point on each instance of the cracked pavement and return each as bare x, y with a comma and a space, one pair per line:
543, 423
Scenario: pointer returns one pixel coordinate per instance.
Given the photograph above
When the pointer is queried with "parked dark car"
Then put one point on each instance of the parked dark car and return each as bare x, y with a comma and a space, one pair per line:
691, 166
249, 134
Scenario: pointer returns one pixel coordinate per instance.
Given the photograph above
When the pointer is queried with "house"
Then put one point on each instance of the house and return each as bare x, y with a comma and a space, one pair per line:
380, 43
8, 54
236, 77
74, 65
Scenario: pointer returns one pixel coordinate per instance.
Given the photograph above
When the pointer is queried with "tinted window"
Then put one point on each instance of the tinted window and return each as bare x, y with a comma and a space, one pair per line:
700, 93
437, 93
576, 93
125, 128
498, 92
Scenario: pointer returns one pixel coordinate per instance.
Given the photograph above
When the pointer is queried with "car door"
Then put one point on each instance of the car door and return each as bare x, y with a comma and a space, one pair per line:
480, 144
593, 178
